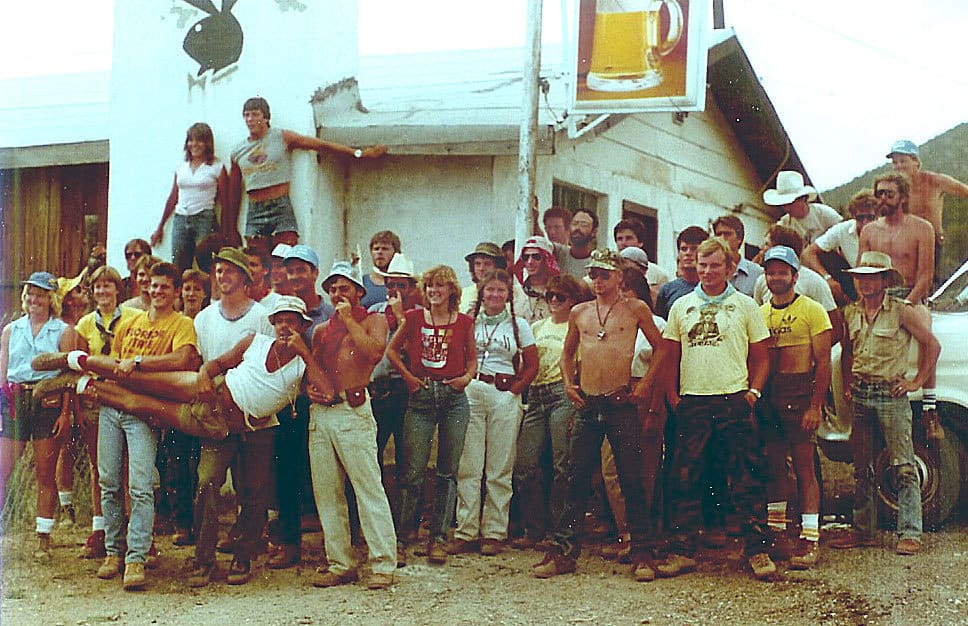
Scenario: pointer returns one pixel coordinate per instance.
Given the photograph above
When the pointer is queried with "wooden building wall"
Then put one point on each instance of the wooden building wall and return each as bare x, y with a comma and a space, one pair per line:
42, 222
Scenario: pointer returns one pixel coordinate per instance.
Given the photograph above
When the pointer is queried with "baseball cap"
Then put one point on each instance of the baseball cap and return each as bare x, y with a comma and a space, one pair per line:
44, 280
303, 253
782, 253
281, 250
605, 259
903, 146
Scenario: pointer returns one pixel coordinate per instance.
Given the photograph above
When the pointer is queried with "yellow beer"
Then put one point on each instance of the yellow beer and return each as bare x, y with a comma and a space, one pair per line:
620, 43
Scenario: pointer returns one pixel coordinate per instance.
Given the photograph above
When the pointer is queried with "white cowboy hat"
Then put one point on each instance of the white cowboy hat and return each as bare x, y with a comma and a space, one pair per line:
789, 187
400, 267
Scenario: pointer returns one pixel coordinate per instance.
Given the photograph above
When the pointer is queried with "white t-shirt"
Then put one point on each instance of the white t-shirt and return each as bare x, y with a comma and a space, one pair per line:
197, 190
496, 347
715, 341
217, 335
809, 283
842, 238
820, 218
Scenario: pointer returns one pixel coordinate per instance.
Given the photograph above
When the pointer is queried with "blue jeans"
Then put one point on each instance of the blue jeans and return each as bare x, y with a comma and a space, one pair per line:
117, 430
436, 405
546, 418
875, 408
186, 232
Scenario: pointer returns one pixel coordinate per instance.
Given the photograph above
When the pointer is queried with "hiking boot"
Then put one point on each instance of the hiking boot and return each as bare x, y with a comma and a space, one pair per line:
49, 361
807, 555
401, 555
94, 546
642, 570
524, 542
134, 576
762, 566
492, 547
618, 550
554, 564
853, 539
285, 557
676, 564
462, 546
932, 426
201, 574
240, 572
379, 581
110, 567
908, 547
419, 548
326, 578
436, 552
42, 553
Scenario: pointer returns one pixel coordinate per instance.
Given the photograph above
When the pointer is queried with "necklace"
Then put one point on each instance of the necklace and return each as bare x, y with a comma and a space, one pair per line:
601, 322
494, 321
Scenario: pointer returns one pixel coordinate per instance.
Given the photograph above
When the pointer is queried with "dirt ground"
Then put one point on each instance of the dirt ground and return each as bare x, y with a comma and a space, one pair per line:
869, 586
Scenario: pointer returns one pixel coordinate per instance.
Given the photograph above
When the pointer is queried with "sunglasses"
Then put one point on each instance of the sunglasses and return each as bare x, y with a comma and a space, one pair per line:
551, 296
865, 217
885, 193
597, 272
133, 255
398, 285
532, 256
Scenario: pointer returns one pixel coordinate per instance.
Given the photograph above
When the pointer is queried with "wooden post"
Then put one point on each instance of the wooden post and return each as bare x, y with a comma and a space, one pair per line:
529, 124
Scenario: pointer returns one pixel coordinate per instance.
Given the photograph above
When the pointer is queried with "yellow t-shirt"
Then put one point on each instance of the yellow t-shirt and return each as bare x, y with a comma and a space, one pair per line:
550, 339
795, 324
87, 328
141, 336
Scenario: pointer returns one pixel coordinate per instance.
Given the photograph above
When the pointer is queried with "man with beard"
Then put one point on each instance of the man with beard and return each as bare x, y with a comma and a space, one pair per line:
909, 242
926, 199
799, 351
583, 229
383, 246
533, 269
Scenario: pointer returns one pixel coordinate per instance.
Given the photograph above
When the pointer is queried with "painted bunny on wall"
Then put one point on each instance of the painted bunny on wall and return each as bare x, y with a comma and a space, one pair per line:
214, 42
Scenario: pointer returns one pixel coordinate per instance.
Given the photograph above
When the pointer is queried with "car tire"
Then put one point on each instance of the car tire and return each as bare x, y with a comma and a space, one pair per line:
939, 466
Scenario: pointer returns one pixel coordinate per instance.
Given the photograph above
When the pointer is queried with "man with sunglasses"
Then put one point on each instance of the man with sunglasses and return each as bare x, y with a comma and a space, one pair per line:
836, 250
605, 331
133, 250
533, 269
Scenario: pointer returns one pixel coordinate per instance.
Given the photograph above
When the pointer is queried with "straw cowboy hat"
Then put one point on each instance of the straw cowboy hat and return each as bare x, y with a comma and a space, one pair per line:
789, 187
873, 262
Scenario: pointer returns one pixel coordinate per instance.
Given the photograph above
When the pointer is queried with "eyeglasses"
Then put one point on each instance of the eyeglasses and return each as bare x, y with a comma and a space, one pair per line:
398, 285
865, 217
885, 193
531, 256
597, 272
555, 295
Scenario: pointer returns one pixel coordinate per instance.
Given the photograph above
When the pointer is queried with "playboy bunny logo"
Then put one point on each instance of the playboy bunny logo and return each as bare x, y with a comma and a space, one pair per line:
214, 42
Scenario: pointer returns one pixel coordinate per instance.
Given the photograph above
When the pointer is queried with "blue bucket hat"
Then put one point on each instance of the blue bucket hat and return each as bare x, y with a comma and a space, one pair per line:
346, 270
44, 280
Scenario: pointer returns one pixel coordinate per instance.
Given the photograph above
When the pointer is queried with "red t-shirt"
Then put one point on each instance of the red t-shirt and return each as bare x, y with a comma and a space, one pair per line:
437, 351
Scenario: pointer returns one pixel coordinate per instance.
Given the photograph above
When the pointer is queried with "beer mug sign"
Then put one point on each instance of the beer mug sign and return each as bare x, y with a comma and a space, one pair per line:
627, 44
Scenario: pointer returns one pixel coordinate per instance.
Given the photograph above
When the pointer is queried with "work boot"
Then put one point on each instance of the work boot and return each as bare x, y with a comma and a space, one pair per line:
134, 576
853, 539
676, 564
379, 581
436, 552
239, 573
807, 555
94, 546
762, 566
932, 426
110, 567
326, 578
42, 553
462, 546
492, 547
908, 547
642, 570
285, 557
554, 564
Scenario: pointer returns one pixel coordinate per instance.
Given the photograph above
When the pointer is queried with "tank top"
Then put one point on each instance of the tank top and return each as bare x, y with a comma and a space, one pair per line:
257, 391
197, 190
264, 162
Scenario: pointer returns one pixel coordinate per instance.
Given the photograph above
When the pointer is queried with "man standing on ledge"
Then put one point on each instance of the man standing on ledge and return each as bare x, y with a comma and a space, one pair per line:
877, 335
264, 161
717, 349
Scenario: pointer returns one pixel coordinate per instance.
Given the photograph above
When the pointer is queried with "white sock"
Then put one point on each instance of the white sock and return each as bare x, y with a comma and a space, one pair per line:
44, 525
776, 515
97, 523
73, 359
810, 526
66, 498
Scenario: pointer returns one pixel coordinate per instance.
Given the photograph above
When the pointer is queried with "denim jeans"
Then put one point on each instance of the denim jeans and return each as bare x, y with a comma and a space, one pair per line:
875, 408
435, 406
117, 431
186, 232
546, 419
388, 400
619, 422
253, 451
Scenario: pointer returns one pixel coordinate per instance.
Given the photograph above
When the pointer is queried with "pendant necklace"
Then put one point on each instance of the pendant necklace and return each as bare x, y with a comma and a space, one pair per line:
602, 322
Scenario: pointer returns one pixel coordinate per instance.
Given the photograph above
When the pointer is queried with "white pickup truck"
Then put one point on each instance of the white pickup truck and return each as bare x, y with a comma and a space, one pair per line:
943, 465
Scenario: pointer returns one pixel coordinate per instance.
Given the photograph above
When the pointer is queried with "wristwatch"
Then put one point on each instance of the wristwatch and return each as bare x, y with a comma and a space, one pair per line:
137, 362
358, 153
755, 392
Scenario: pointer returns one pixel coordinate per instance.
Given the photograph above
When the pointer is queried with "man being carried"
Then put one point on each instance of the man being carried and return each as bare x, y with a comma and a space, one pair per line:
878, 331
716, 327
810, 219
799, 379
604, 331
342, 434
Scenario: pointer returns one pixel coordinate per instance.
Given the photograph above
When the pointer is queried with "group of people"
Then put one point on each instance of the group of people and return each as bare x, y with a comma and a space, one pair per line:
686, 394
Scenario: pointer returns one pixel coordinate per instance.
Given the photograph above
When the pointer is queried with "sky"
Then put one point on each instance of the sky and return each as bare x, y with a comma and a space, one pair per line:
848, 77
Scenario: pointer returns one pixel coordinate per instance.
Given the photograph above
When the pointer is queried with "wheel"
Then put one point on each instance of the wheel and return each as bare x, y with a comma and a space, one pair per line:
939, 467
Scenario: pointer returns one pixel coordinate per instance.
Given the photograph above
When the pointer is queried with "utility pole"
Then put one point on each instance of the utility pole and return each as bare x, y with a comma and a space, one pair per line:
529, 124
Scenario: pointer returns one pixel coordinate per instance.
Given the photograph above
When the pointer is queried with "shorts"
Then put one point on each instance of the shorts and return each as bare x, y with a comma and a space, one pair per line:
787, 398
32, 422
270, 217
207, 420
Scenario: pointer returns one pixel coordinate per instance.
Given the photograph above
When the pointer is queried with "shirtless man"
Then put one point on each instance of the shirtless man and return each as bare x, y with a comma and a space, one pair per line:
926, 198
604, 331
799, 379
342, 434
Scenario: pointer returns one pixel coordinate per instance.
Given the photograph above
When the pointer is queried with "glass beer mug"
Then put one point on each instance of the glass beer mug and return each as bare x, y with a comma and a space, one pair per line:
626, 47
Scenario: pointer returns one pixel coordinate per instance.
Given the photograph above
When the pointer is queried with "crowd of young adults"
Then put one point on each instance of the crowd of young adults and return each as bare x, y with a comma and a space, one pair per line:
684, 393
